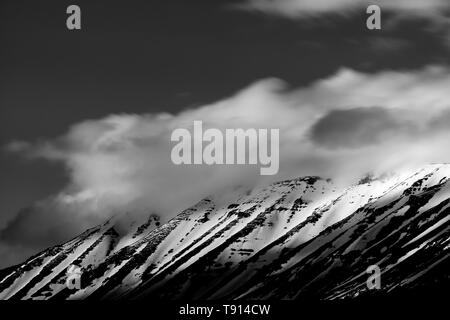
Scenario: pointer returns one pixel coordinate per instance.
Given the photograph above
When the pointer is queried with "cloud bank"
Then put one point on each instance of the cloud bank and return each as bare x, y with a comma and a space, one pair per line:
342, 127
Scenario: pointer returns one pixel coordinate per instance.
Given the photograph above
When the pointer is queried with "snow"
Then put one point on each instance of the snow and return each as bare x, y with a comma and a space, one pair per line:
309, 214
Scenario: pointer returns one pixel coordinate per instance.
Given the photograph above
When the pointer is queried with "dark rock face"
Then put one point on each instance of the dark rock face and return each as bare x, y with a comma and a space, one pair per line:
301, 238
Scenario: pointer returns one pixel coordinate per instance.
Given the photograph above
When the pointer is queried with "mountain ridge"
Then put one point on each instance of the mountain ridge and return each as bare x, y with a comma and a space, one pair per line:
296, 238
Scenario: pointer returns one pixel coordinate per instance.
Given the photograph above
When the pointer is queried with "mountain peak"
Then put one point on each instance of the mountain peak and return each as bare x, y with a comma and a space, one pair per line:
291, 239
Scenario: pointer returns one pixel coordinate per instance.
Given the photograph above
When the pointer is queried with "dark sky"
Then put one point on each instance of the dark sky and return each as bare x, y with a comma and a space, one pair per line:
151, 56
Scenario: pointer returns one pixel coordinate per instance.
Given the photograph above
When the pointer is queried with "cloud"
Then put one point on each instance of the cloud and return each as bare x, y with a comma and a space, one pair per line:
341, 127
435, 12
308, 8
354, 128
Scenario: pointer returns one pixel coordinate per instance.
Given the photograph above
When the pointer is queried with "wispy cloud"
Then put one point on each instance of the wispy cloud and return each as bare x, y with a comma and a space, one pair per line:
436, 14
305, 8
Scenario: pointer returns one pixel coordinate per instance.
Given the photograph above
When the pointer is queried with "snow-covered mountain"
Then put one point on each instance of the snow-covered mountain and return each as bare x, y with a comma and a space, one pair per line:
298, 238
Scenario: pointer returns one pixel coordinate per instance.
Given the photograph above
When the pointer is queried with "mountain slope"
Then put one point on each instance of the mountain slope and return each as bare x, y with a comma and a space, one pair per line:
297, 238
